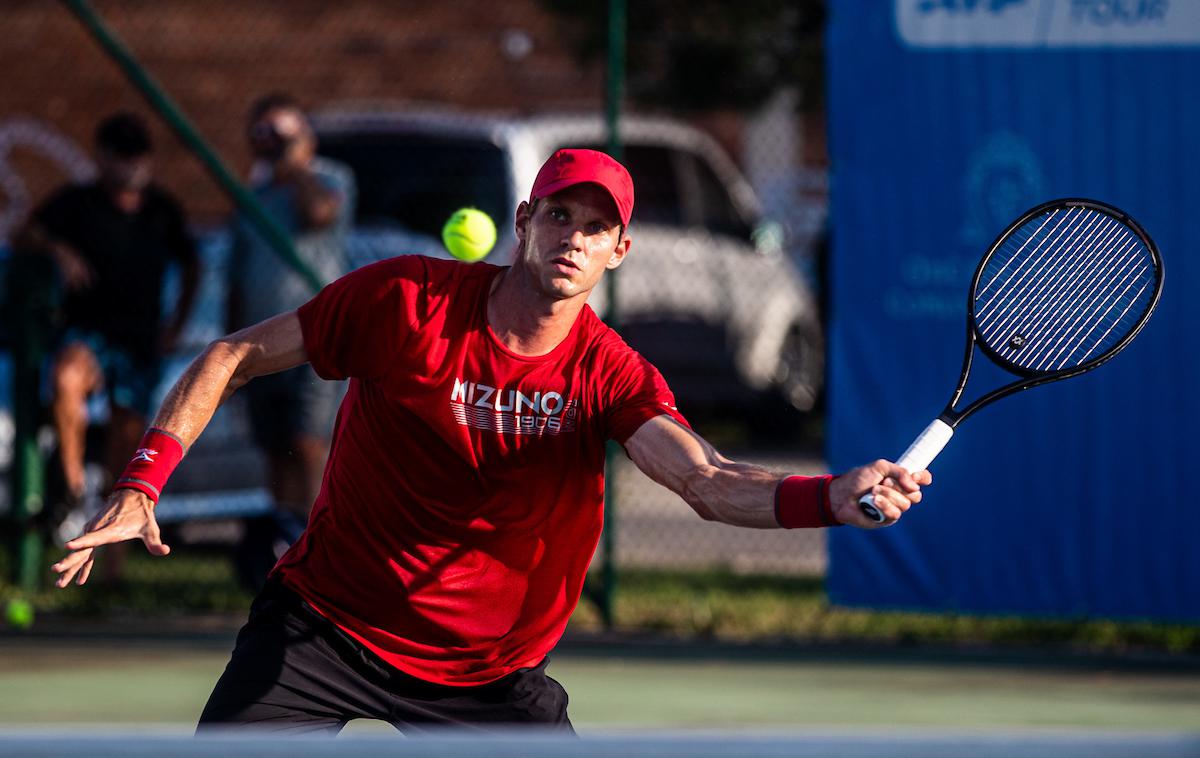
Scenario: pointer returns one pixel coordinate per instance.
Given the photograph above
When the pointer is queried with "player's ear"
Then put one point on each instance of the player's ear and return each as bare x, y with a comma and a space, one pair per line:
621, 250
521, 221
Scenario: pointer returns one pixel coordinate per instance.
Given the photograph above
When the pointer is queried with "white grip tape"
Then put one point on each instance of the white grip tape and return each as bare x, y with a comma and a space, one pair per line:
917, 457
927, 446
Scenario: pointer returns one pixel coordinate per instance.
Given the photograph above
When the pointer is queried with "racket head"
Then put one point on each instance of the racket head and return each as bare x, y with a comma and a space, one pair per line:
1064, 288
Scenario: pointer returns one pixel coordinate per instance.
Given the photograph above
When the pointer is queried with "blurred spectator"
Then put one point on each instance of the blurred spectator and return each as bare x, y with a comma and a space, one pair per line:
291, 412
111, 241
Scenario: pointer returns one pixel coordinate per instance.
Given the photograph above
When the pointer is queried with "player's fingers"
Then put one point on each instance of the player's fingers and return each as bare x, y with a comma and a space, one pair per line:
881, 471
65, 578
923, 477
901, 478
889, 512
152, 538
104, 536
86, 571
69, 566
912, 493
890, 502
70, 561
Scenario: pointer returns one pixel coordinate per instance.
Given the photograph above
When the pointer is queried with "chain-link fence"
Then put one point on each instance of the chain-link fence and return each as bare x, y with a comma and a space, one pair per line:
433, 106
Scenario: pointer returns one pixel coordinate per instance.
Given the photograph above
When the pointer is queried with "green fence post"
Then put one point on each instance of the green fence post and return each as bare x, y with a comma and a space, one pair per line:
615, 82
31, 295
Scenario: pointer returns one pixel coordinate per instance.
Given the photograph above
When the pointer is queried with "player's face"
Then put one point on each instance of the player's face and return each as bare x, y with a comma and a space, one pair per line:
570, 239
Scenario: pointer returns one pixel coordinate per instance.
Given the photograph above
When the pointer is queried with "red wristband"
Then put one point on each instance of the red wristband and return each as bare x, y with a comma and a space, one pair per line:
152, 464
803, 502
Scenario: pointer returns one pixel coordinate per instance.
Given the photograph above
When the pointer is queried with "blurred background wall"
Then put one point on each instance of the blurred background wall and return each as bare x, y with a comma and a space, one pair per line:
216, 56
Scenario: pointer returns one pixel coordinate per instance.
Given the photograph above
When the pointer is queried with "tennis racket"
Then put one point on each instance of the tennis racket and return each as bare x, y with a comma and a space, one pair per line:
1065, 288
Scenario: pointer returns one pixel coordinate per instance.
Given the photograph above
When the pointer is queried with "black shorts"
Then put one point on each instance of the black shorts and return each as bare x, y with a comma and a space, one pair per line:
291, 404
294, 671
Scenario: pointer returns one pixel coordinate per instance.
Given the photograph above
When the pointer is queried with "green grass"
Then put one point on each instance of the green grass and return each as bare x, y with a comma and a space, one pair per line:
706, 605
179, 584
726, 606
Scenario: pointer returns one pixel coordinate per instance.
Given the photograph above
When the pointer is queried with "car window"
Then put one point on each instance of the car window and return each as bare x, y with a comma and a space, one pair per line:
417, 181
716, 208
678, 188
655, 184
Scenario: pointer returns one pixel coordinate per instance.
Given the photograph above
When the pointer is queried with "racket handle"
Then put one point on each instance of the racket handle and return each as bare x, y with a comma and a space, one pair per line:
918, 456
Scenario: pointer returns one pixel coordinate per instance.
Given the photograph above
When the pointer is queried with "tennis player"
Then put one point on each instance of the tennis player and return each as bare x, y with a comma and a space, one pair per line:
462, 499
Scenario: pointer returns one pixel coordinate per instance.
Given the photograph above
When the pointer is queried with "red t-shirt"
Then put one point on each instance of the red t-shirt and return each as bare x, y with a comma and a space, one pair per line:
463, 497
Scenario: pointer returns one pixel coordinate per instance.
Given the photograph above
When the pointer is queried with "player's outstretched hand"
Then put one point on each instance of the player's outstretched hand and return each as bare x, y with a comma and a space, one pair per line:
895, 491
127, 515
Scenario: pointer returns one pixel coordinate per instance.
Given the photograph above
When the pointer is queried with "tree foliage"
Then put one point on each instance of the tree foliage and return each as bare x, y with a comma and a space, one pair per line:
704, 54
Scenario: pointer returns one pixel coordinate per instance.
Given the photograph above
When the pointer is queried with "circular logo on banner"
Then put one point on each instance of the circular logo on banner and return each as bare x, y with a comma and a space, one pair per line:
1004, 177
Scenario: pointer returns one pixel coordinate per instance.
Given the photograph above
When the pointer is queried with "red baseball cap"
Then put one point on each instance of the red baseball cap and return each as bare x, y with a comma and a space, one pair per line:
569, 167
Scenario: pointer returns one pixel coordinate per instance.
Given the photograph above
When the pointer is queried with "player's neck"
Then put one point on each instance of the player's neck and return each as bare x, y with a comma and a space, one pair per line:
524, 321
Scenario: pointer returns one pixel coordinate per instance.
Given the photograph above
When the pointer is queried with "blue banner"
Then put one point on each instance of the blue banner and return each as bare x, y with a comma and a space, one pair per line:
948, 118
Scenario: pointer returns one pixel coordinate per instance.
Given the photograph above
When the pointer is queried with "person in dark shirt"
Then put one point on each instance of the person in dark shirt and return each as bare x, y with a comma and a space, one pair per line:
111, 240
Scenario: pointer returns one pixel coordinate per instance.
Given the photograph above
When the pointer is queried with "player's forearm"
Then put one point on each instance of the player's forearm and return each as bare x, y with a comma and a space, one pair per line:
208, 381
715, 487
225, 365
739, 494
719, 489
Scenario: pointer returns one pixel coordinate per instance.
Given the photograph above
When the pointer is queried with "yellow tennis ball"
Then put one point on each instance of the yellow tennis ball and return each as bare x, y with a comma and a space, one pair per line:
469, 234
19, 613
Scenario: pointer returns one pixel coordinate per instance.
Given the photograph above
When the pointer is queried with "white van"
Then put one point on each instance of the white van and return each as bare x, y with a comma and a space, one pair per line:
706, 293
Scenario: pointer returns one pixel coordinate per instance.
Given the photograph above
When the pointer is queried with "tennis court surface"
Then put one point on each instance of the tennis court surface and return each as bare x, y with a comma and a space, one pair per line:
101, 695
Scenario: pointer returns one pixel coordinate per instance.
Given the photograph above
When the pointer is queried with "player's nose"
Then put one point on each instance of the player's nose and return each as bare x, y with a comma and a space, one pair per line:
573, 239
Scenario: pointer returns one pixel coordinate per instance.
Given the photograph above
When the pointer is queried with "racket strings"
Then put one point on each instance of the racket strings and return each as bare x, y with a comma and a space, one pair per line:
1071, 316
1027, 236
1088, 314
1121, 319
1054, 343
1073, 258
1074, 357
1069, 240
1018, 302
1026, 264
1063, 289
1068, 285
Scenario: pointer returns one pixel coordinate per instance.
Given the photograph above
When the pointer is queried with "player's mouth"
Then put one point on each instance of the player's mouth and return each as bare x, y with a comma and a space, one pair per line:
565, 265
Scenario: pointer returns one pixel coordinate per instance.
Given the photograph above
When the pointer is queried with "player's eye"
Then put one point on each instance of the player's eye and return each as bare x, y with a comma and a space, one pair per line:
558, 214
596, 227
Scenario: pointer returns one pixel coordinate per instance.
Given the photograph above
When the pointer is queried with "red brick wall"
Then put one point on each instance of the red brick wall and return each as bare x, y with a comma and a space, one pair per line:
215, 56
